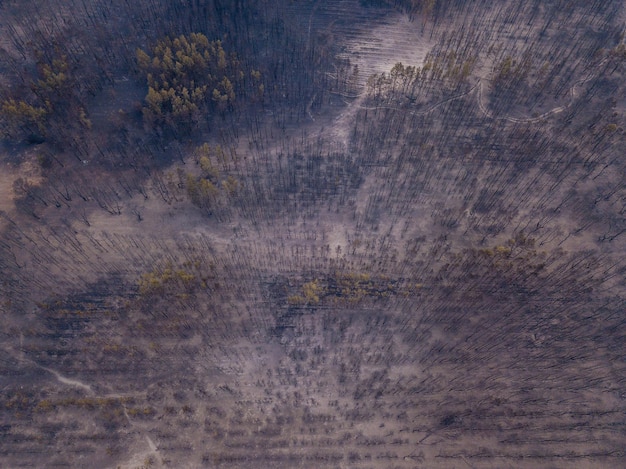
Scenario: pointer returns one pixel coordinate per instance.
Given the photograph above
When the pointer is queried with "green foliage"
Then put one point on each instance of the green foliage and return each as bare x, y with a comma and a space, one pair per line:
504, 68
207, 168
350, 287
186, 75
449, 66
619, 51
230, 186
166, 280
54, 77
517, 256
448, 69
216, 156
20, 116
295, 300
399, 71
354, 287
202, 192
311, 291
54, 99
510, 71
212, 188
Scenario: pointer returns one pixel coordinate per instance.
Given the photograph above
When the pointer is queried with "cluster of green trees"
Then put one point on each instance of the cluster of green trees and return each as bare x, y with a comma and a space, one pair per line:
20, 117
50, 97
447, 69
170, 280
448, 65
510, 72
186, 76
350, 287
211, 187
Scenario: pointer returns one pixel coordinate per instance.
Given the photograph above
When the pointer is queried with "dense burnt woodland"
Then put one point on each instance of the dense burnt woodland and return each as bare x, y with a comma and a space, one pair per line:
364, 234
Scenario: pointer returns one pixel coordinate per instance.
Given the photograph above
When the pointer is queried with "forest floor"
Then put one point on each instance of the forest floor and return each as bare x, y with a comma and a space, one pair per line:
383, 289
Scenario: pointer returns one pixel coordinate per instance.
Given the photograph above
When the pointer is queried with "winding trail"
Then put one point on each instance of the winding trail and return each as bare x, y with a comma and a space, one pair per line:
137, 458
21, 357
479, 86
343, 124
515, 120
69, 382
556, 110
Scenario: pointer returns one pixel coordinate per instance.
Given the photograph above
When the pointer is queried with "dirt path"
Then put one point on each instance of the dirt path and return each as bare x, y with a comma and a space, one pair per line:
375, 49
478, 87
556, 110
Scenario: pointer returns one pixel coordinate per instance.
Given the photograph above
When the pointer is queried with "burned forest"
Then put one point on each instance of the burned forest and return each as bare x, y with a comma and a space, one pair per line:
313, 234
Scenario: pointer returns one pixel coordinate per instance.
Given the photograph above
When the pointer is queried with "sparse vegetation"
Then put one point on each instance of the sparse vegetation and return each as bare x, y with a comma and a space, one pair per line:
52, 97
364, 234
186, 76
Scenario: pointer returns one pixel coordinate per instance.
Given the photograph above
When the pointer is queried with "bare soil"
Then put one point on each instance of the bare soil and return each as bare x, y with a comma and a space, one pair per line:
424, 276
